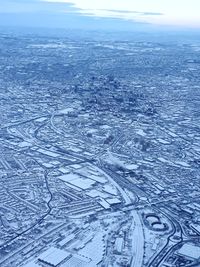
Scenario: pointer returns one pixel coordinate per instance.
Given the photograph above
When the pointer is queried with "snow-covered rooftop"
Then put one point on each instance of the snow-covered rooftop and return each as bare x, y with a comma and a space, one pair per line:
190, 251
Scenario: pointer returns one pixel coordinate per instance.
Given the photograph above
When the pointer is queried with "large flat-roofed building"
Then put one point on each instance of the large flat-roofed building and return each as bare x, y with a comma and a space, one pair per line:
190, 251
119, 245
54, 256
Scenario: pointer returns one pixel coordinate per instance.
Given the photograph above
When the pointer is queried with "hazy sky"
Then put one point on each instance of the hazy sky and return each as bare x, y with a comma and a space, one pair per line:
66, 13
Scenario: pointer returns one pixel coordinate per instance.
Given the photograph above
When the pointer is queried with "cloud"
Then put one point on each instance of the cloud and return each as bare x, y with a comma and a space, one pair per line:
43, 14
133, 12
120, 14
159, 12
104, 9
35, 6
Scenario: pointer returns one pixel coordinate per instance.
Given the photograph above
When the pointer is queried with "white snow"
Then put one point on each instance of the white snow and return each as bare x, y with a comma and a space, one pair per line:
65, 111
76, 180
54, 256
141, 132
31, 264
67, 239
82, 183
48, 153
113, 201
64, 170
25, 144
119, 244
46, 46
196, 227
41, 119
75, 149
69, 177
47, 165
104, 204
162, 141
76, 166
98, 179
131, 167
95, 193
110, 189
163, 160
76, 261
190, 250
172, 134
182, 163
94, 249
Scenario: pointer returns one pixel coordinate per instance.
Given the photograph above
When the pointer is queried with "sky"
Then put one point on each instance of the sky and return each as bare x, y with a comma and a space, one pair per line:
105, 13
